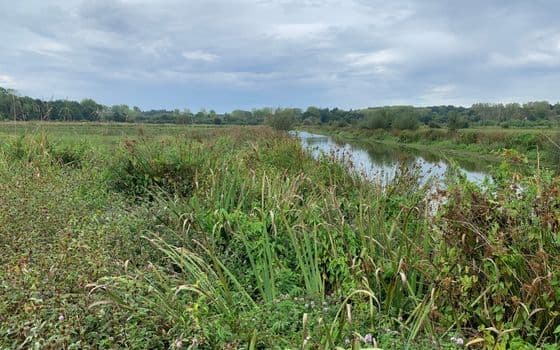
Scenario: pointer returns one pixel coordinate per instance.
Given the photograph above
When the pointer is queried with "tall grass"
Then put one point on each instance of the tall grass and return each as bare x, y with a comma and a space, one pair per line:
235, 239
287, 228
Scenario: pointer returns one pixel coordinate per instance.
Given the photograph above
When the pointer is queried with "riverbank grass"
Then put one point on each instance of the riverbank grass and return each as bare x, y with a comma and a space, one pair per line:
236, 238
535, 145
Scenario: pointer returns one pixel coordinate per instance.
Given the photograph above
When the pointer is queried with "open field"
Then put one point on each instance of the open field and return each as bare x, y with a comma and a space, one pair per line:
127, 236
95, 134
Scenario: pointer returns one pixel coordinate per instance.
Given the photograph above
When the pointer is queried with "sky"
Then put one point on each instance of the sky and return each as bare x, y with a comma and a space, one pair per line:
230, 54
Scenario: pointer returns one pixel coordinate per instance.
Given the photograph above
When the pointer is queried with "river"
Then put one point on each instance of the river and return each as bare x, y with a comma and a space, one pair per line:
380, 162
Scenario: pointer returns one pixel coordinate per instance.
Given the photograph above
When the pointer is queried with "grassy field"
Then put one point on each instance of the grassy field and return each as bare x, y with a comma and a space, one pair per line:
127, 236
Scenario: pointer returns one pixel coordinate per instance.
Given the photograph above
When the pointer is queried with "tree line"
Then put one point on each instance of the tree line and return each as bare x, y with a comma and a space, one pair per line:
540, 113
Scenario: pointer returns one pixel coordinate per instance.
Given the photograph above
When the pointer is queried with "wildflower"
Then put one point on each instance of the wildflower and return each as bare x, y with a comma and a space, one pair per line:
457, 340
368, 338
61, 318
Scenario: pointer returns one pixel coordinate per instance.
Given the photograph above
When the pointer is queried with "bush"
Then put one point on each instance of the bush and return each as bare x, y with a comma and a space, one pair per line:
552, 145
41, 149
141, 168
409, 136
377, 119
435, 135
406, 121
283, 120
456, 121
468, 138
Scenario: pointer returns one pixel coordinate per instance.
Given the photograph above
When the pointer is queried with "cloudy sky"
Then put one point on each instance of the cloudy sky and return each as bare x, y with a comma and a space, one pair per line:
226, 54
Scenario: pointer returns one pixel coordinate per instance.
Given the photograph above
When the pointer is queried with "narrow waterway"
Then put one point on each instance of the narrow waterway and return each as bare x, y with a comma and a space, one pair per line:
379, 162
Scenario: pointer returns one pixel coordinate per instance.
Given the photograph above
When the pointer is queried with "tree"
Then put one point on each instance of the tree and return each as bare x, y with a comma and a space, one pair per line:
455, 121
283, 119
312, 113
185, 117
378, 118
406, 121
119, 113
90, 109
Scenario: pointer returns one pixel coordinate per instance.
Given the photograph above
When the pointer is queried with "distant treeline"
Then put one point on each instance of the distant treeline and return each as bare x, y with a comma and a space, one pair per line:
542, 113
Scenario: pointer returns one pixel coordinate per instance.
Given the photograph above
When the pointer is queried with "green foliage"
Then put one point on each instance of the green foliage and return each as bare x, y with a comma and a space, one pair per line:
406, 121
532, 114
283, 119
247, 242
456, 121
377, 119
400, 118
141, 168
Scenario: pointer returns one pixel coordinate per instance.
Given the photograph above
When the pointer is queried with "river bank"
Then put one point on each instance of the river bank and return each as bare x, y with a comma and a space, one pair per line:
380, 162
488, 145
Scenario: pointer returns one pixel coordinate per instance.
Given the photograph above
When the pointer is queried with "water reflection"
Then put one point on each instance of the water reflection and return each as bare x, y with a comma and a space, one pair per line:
380, 162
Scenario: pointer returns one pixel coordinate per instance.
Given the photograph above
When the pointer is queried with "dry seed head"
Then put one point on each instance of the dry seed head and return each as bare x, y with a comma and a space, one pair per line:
403, 277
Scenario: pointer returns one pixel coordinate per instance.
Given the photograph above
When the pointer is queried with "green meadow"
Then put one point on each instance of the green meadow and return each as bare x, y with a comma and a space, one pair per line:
197, 237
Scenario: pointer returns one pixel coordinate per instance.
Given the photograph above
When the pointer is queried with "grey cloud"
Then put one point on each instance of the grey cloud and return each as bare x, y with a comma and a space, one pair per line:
226, 54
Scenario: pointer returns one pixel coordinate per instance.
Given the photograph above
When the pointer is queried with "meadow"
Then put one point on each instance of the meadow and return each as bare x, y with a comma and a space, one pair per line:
182, 237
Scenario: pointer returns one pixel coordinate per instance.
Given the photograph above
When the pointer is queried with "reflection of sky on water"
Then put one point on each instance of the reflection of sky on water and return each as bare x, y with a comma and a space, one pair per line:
380, 162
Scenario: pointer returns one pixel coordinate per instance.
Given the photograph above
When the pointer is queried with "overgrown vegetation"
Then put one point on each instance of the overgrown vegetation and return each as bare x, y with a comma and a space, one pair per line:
536, 146
236, 238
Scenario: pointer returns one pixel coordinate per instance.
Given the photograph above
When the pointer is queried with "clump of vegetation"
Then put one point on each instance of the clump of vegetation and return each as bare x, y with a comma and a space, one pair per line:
399, 118
282, 119
456, 121
168, 166
236, 238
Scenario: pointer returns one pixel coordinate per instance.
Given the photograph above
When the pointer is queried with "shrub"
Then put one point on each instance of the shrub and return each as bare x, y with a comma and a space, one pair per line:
283, 119
456, 121
141, 168
377, 119
405, 121
468, 138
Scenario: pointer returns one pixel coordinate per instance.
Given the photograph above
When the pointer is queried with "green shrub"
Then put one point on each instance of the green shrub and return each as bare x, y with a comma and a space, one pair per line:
406, 121
377, 119
282, 119
140, 168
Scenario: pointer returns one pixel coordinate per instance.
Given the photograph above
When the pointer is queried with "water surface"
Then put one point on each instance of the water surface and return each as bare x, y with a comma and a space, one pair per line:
380, 162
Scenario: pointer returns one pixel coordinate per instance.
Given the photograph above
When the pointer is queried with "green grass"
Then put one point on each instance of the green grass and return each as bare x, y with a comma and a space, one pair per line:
115, 236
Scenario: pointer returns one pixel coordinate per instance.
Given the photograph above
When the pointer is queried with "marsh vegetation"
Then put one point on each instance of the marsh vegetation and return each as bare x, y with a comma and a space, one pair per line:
123, 236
